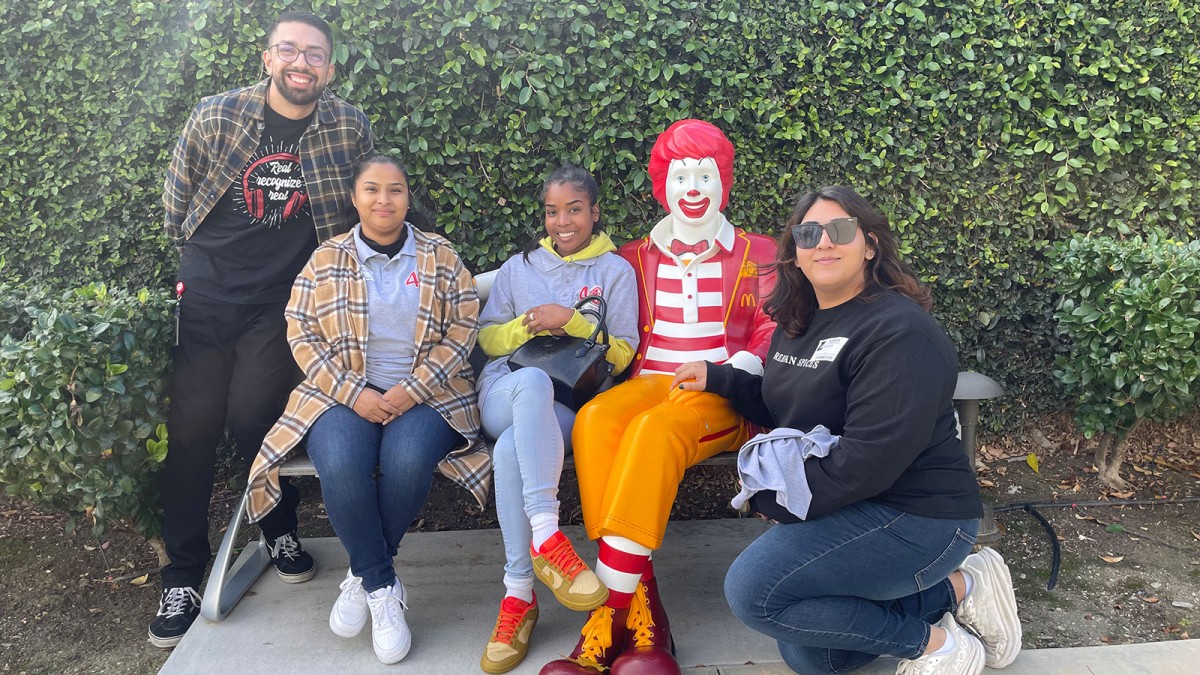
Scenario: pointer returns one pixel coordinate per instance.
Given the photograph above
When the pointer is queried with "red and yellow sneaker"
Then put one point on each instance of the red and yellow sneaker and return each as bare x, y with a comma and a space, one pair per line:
558, 566
510, 637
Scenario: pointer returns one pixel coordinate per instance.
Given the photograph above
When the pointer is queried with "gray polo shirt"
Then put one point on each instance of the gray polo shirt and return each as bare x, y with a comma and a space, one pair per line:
393, 294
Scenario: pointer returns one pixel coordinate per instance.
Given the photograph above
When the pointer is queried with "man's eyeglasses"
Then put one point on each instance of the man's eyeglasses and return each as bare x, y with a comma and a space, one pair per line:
841, 231
289, 53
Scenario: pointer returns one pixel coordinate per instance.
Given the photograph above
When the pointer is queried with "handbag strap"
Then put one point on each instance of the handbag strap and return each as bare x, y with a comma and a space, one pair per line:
601, 316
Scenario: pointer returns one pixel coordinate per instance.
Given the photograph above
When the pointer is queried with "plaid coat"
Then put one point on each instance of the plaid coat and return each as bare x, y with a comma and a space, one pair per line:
327, 330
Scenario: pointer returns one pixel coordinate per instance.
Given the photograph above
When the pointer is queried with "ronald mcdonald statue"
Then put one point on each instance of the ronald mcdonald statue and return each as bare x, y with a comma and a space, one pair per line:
700, 294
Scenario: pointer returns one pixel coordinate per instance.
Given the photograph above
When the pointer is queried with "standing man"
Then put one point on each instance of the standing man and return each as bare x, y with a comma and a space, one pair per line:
700, 292
258, 178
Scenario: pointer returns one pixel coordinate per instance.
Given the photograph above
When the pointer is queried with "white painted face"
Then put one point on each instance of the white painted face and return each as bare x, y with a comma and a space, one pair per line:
694, 192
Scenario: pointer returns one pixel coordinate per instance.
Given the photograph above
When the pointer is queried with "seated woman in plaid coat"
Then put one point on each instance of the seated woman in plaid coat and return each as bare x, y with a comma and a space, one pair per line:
386, 399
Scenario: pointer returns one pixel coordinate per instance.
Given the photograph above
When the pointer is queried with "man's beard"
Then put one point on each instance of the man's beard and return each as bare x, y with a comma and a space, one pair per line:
295, 97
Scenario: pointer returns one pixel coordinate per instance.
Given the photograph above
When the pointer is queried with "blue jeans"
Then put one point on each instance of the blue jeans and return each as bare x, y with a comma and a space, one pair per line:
532, 434
839, 590
369, 510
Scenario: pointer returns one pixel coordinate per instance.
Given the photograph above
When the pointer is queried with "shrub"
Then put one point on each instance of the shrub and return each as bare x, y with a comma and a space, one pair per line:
988, 129
1130, 311
82, 401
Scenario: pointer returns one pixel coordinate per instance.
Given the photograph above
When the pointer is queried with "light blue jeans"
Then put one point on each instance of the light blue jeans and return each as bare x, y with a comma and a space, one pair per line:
520, 412
374, 479
842, 589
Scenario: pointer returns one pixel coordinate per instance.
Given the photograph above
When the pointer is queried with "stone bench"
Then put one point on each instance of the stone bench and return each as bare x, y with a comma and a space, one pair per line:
230, 578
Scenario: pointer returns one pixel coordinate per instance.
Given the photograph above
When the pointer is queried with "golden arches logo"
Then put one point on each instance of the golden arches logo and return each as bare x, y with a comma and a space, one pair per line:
749, 300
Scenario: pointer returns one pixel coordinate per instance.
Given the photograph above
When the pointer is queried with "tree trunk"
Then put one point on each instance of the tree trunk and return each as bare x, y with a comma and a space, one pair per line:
1110, 454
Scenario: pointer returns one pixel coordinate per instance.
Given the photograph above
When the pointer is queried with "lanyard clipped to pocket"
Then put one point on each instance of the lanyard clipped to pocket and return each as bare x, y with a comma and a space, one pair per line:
178, 301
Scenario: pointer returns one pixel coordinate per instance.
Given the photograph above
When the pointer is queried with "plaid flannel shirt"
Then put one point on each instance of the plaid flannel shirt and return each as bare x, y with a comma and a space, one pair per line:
327, 330
224, 131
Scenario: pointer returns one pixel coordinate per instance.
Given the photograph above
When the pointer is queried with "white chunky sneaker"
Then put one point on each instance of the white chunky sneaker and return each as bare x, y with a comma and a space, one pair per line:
965, 659
349, 613
990, 611
389, 632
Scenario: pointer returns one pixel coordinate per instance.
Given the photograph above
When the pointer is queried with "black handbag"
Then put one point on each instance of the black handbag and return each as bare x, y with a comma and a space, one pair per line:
575, 365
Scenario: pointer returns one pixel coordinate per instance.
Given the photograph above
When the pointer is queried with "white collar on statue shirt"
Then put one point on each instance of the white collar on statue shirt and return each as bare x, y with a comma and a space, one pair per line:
663, 233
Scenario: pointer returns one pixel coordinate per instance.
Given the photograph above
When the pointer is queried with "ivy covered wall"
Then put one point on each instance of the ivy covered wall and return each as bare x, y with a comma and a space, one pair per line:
987, 129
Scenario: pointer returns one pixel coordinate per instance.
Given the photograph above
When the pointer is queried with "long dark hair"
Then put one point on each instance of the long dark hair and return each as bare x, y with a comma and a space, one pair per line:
416, 215
793, 301
577, 177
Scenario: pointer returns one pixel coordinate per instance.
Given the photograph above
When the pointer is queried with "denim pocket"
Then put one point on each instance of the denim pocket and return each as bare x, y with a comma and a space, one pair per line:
944, 565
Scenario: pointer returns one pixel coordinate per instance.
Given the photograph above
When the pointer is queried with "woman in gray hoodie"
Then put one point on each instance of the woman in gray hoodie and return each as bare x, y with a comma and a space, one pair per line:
533, 295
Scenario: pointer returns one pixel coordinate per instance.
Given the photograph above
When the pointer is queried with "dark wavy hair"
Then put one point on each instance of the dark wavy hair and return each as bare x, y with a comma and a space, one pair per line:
577, 177
793, 302
416, 215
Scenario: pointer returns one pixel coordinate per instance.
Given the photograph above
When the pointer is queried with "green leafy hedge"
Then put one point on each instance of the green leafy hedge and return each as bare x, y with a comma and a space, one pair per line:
989, 129
81, 401
1130, 313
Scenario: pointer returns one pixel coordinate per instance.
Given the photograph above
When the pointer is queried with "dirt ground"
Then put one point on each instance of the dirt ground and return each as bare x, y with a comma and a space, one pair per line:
1129, 573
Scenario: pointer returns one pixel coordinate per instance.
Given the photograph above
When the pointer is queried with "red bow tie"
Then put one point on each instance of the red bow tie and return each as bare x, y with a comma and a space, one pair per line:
678, 248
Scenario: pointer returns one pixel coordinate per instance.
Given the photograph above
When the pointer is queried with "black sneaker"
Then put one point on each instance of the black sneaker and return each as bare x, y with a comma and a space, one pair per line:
177, 610
291, 562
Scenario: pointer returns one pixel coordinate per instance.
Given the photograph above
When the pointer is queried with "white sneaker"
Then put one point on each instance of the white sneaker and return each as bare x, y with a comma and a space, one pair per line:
389, 632
965, 659
990, 611
349, 613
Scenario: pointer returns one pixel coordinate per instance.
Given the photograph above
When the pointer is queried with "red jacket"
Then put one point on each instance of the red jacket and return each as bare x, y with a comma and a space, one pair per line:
747, 327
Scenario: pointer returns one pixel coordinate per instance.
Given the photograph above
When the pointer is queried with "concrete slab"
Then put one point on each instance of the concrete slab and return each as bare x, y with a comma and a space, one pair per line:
1181, 657
454, 585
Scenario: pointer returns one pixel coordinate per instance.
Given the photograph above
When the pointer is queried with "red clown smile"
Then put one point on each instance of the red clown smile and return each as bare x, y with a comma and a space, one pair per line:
694, 209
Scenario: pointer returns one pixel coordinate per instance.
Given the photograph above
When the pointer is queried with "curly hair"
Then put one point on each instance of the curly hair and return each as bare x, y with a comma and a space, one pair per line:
690, 139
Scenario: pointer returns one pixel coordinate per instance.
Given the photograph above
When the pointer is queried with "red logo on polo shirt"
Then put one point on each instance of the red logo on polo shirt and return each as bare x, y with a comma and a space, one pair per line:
412, 279
589, 290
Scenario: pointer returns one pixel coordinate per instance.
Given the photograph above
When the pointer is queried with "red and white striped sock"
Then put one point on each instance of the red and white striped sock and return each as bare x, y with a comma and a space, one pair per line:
620, 568
648, 571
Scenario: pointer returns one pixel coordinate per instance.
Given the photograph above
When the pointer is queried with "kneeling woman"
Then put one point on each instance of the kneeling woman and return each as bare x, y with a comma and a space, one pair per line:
381, 320
875, 527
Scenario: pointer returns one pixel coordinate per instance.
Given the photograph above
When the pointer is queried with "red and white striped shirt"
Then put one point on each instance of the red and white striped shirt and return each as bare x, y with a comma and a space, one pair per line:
689, 316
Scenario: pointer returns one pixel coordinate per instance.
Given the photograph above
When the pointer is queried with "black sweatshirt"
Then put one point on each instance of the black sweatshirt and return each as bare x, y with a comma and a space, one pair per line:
881, 374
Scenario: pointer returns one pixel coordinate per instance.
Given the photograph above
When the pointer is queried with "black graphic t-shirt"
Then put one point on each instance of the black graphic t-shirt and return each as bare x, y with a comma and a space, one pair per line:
254, 242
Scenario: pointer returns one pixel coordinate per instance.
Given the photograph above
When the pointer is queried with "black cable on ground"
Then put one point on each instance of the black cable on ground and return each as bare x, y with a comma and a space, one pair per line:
1021, 506
1056, 548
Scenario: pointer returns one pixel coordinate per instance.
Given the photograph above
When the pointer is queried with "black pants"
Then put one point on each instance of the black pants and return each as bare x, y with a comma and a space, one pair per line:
232, 368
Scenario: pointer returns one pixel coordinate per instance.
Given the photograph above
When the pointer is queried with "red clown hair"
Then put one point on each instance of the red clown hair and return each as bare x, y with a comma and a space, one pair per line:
690, 139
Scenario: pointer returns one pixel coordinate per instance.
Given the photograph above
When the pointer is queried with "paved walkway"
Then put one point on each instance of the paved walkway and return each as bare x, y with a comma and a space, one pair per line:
453, 580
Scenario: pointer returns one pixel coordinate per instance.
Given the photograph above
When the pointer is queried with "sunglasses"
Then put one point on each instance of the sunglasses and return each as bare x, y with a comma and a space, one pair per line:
841, 231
